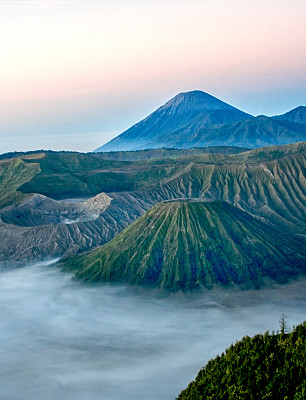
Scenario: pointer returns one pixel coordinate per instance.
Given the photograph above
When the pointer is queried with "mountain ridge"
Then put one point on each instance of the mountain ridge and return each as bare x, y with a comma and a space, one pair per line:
269, 183
182, 109
297, 115
256, 132
198, 119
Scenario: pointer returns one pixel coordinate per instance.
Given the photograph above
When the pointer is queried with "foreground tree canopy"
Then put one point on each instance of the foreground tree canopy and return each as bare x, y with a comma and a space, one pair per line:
259, 368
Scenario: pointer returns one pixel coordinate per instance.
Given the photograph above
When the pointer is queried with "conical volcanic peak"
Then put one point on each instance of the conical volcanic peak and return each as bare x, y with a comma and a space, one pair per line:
187, 112
195, 100
189, 244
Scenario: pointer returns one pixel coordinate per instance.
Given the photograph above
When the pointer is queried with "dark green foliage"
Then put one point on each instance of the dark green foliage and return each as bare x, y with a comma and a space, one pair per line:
16, 154
265, 367
284, 328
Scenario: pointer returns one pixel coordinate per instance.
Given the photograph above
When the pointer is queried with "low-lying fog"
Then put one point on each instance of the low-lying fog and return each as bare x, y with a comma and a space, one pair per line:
60, 339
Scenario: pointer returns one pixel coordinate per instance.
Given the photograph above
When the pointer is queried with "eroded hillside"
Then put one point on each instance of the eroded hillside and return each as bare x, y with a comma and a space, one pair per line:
269, 183
189, 244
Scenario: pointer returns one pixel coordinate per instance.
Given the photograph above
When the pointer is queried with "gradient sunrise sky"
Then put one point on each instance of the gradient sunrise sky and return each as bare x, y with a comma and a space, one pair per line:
75, 73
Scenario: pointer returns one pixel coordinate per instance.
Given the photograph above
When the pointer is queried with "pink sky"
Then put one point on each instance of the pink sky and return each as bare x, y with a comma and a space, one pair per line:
76, 67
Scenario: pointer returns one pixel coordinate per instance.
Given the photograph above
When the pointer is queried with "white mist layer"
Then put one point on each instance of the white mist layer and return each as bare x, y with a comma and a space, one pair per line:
60, 339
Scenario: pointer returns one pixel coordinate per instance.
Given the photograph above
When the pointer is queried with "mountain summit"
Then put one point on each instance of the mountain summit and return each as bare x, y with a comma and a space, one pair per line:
186, 113
195, 101
297, 116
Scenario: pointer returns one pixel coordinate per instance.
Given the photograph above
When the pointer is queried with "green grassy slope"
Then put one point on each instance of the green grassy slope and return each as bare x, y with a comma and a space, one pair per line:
269, 183
187, 244
13, 174
75, 175
274, 190
269, 153
265, 367
64, 175
166, 153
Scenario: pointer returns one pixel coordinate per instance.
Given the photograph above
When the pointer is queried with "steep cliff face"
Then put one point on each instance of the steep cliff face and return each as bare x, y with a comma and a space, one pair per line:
33, 238
188, 244
38, 210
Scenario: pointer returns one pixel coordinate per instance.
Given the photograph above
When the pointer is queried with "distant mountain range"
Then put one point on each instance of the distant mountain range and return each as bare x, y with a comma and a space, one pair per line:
297, 115
197, 119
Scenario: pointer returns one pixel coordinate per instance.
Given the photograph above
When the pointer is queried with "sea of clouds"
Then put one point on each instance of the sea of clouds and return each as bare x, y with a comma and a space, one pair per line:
61, 339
